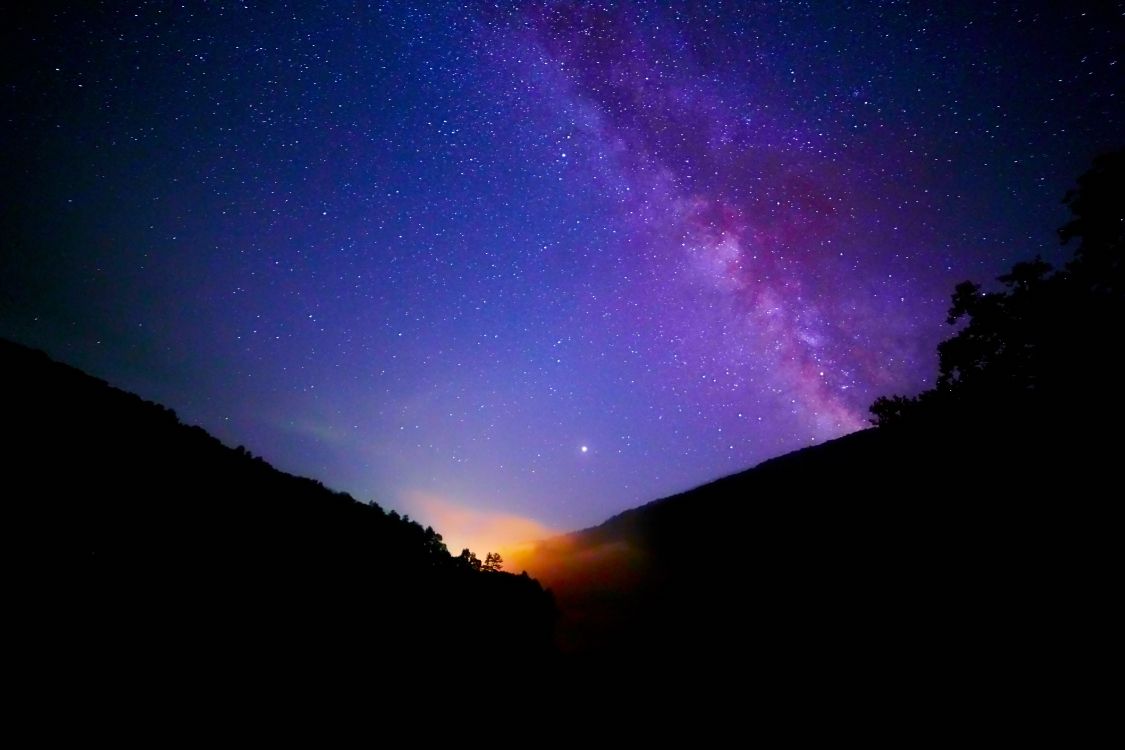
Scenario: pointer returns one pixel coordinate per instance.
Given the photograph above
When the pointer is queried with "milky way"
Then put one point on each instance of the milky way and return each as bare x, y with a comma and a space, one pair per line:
521, 267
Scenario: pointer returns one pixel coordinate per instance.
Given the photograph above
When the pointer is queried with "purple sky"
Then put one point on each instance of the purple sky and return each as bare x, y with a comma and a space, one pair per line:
427, 256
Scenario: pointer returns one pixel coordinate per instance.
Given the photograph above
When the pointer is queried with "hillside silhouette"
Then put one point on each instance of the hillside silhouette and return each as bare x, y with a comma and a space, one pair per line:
150, 553
960, 550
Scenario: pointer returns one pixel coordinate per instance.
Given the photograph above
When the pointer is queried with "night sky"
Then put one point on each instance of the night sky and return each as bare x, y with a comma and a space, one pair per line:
511, 268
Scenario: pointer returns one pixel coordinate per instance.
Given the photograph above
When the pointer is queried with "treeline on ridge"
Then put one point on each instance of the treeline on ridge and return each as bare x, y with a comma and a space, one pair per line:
1044, 350
148, 544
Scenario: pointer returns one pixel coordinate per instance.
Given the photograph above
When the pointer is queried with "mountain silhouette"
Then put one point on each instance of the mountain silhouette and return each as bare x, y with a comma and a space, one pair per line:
965, 546
891, 568
149, 554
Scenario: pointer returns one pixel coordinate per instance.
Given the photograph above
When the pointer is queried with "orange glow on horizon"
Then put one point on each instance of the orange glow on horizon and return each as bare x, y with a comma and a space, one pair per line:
560, 561
482, 531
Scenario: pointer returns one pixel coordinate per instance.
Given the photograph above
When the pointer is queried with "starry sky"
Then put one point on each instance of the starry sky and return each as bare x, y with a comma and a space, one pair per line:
515, 267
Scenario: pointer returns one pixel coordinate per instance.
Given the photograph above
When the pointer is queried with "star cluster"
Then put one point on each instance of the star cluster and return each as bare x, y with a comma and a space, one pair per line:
543, 261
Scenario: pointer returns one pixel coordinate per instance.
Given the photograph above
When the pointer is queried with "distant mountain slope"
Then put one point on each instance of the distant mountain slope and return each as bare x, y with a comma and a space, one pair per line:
148, 547
957, 567
977, 525
907, 557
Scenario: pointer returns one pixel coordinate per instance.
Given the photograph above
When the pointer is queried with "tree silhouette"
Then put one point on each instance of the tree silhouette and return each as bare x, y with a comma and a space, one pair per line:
889, 410
1047, 340
469, 559
1098, 224
492, 562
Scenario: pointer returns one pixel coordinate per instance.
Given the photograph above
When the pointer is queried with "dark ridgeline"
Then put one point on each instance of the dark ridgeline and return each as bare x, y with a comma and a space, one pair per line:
957, 558
147, 554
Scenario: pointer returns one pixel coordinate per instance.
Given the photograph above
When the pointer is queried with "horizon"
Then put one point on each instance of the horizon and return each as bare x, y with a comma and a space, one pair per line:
513, 272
